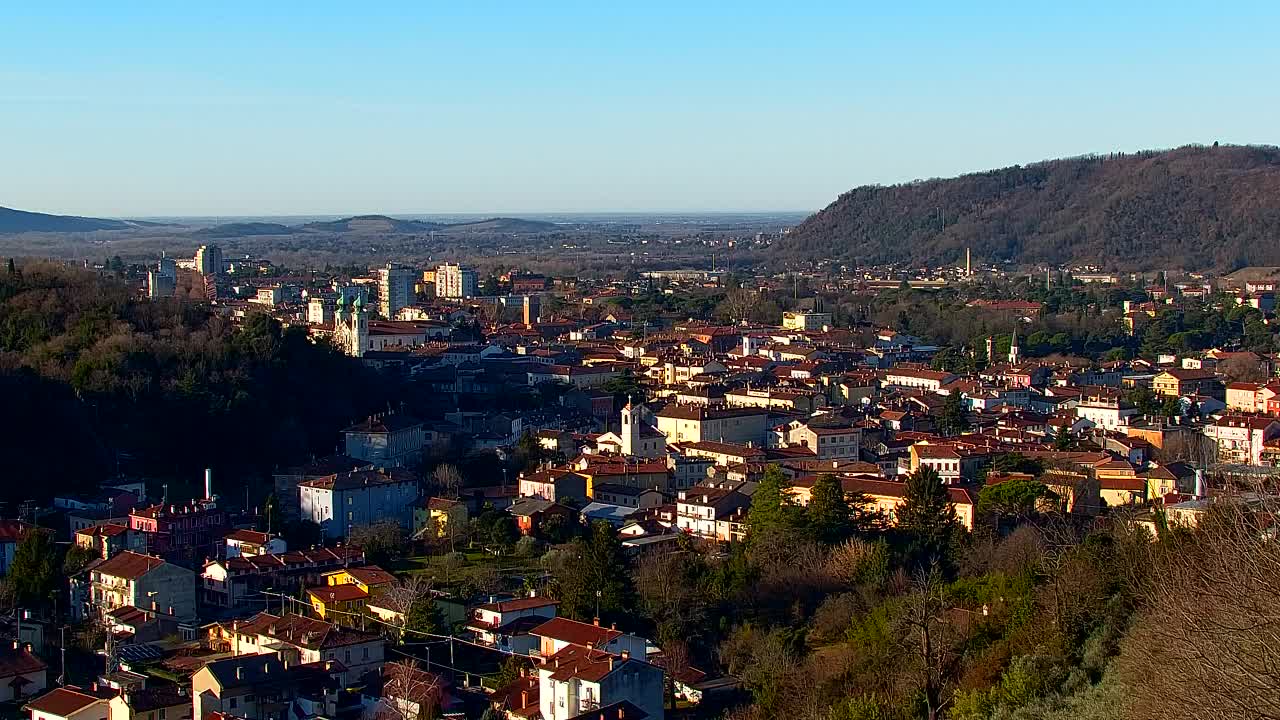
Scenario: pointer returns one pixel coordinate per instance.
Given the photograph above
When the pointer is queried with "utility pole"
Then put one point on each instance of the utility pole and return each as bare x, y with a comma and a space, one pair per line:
62, 676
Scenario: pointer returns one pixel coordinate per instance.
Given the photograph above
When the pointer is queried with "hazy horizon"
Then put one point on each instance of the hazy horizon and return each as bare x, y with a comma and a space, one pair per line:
263, 110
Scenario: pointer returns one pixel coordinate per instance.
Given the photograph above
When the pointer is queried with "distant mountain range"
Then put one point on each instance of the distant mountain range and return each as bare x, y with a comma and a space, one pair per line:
244, 229
1193, 207
21, 221
380, 225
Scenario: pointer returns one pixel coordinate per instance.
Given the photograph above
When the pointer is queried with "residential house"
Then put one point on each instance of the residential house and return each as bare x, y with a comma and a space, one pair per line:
386, 440
22, 674
1240, 438
554, 484
183, 534
627, 496
342, 502
245, 543
1178, 382
827, 441
506, 624
103, 540
699, 507
262, 687
558, 633
532, 513
346, 593
144, 582
69, 703
163, 702
581, 682
236, 584
299, 640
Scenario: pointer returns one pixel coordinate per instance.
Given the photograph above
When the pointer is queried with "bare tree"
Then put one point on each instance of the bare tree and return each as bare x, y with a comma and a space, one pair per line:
1209, 644
928, 639
409, 692
448, 479
402, 596
739, 303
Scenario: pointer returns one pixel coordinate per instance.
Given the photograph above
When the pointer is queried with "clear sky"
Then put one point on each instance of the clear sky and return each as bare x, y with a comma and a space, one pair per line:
231, 108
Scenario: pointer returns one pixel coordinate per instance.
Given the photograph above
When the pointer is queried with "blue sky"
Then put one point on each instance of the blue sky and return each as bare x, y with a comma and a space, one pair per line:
232, 108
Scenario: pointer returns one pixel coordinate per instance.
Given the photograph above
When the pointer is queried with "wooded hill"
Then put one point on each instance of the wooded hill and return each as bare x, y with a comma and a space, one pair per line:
1191, 208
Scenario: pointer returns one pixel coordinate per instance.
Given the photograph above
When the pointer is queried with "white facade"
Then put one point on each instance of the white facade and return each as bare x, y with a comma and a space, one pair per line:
395, 289
455, 281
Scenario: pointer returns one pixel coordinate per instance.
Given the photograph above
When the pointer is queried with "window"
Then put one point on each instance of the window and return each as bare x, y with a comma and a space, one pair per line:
364, 655
163, 712
346, 657
232, 703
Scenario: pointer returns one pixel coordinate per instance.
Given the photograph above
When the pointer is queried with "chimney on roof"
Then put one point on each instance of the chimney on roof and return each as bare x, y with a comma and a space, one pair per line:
524, 698
626, 654
596, 621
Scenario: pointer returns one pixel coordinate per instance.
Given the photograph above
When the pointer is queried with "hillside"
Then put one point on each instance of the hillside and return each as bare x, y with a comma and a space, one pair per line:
1192, 208
21, 221
372, 224
245, 229
503, 225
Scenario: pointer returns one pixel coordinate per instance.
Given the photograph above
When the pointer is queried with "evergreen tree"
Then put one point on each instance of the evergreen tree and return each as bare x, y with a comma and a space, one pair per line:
773, 509
34, 572
955, 417
927, 518
13, 269
598, 577
424, 616
828, 512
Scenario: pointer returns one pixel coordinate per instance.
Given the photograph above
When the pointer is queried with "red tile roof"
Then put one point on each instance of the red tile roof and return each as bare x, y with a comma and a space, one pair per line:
129, 565
574, 632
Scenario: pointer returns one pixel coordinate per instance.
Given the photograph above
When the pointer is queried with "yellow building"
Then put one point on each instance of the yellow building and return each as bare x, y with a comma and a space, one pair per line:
437, 517
1178, 382
346, 593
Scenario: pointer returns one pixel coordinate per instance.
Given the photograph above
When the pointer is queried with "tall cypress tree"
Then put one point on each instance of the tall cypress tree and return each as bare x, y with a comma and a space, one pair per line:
773, 509
828, 511
927, 518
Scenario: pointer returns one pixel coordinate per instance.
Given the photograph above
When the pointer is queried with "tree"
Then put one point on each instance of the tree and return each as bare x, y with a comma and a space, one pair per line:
738, 304
413, 599
512, 669
927, 517
1017, 497
13, 269
828, 511
596, 575
33, 575
1062, 439
1211, 624
409, 692
76, 559
448, 479
955, 417
773, 509
382, 541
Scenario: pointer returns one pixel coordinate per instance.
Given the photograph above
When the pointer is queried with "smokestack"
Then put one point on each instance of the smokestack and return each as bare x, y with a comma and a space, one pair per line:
1200, 488
208, 483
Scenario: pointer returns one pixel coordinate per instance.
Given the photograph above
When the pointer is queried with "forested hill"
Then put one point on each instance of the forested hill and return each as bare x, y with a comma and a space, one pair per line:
1193, 208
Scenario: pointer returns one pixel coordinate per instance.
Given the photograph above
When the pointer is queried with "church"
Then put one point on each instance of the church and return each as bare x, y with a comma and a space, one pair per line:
637, 438
351, 327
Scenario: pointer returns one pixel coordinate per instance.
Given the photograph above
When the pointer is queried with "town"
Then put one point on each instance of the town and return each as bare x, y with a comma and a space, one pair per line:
502, 541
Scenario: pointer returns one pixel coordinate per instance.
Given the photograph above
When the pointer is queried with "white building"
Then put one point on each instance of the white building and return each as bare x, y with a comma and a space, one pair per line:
351, 327
1240, 437
455, 281
209, 260
395, 289
145, 582
700, 508
344, 501
806, 321
1106, 413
